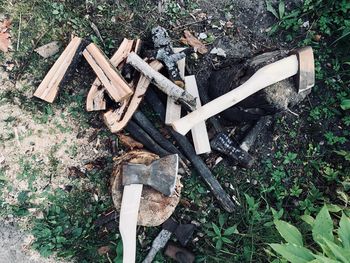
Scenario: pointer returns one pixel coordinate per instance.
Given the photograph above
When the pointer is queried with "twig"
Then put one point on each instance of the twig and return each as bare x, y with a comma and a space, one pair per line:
292, 112
189, 24
19, 31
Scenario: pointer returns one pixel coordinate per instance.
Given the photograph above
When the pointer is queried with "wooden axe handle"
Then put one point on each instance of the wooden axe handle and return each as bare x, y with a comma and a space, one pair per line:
264, 77
128, 220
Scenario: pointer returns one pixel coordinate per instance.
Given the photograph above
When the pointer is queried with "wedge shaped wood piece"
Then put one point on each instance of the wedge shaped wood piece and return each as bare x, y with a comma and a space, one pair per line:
113, 118
95, 100
114, 83
50, 85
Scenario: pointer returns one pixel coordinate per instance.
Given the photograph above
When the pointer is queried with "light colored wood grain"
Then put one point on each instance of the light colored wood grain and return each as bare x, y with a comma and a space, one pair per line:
113, 119
128, 220
49, 87
263, 78
115, 85
95, 100
199, 131
173, 109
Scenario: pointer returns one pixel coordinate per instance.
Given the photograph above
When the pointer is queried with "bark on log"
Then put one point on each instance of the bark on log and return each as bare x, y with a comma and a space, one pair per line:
223, 143
148, 127
252, 135
197, 162
140, 135
164, 84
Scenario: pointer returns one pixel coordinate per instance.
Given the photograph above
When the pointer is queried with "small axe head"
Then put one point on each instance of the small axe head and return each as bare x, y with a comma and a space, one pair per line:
160, 174
306, 72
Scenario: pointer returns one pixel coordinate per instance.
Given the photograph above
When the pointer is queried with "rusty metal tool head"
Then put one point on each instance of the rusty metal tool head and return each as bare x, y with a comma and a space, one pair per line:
160, 175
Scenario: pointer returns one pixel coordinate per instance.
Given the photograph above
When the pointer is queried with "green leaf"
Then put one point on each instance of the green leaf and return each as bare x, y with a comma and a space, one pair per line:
281, 9
216, 229
344, 231
323, 226
293, 253
289, 232
308, 219
231, 230
226, 240
345, 104
218, 244
250, 200
339, 253
270, 8
323, 259
55, 12
221, 220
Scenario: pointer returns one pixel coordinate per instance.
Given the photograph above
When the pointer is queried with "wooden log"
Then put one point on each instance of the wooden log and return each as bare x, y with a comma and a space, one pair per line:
140, 135
199, 132
186, 147
95, 100
173, 109
222, 143
114, 83
164, 84
252, 135
58, 74
114, 119
148, 127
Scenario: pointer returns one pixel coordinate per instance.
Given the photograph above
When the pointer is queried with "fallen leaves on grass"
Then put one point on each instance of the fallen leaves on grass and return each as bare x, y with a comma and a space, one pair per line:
4, 35
191, 40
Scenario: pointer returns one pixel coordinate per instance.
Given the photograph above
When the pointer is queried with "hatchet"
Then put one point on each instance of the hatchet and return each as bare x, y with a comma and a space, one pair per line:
301, 64
160, 175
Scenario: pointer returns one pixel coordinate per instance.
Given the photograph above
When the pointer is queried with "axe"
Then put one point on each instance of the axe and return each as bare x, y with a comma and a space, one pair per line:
160, 175
301, 64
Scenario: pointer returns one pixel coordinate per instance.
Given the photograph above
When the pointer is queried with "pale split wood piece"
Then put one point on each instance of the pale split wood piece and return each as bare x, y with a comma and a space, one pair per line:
128, 220
95, 100
113, 119
50, 85
114, 83
199, 132
173, 109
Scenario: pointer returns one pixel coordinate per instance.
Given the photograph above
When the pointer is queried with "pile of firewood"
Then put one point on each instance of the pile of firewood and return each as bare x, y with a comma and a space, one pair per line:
181, 90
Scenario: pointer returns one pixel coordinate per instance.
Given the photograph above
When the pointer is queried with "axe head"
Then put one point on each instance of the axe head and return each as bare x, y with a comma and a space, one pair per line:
306, 72
160, 174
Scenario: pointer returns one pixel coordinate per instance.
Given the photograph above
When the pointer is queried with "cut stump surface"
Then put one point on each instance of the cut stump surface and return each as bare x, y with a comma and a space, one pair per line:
155, 207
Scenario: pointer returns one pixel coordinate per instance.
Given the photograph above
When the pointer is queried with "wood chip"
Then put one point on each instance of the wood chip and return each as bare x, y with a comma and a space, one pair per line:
48, 50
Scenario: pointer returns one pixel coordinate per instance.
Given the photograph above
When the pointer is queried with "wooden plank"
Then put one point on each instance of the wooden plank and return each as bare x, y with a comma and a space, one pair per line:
50, 85
95, 100
114, 83
113, 119
173, 109
199, 132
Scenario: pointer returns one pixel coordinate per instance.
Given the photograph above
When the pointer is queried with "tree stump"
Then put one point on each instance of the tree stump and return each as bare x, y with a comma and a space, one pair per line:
155, 207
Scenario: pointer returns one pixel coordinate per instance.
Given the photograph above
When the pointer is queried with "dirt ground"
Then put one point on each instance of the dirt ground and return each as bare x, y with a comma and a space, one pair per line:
29, 146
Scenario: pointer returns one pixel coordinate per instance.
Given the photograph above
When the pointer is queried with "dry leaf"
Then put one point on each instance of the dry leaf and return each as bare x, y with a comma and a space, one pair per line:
48, 50
189, 39
129, 142
4, 35
4, 41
